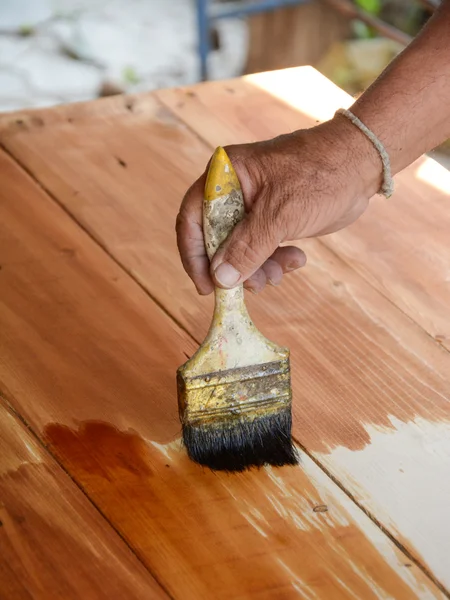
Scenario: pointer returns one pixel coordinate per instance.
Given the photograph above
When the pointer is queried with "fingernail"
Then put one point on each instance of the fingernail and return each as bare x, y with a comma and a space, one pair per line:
292, 267
274, 283
227, 275
253, 291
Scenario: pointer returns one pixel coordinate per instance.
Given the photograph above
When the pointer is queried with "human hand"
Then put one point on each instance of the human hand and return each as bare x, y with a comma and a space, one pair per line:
304, 184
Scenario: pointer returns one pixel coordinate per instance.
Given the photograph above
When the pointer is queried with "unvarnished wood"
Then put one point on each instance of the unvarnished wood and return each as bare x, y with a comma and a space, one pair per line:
53, 543
89, 360
371, 389
402, 245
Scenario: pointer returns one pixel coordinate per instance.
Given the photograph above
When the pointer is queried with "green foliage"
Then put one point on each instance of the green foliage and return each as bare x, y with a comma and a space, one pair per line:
130, 75
362, 31
26, 30
373, 7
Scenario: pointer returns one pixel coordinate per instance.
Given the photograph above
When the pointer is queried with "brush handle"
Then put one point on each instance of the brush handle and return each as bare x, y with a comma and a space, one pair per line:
223, 205
233, 341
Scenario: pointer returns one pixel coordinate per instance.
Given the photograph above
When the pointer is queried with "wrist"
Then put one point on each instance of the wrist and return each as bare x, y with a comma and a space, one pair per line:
359, 160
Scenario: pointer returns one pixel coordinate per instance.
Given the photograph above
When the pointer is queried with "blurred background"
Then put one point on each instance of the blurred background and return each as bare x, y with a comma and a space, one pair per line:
58, 51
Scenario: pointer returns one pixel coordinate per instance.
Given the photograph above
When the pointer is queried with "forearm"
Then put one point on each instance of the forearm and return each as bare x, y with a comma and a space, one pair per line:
316, 181
408, 107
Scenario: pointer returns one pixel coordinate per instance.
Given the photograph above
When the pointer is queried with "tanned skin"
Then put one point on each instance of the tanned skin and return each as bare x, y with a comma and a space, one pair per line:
316, 181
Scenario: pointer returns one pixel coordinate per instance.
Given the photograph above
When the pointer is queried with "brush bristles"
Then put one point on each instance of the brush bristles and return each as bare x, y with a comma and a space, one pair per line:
242, 444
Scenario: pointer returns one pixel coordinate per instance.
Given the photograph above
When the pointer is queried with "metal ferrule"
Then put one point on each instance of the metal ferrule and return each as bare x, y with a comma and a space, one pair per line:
245, 392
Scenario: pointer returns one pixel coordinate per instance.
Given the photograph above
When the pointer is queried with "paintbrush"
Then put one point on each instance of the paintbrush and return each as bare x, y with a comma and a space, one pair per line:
234, 394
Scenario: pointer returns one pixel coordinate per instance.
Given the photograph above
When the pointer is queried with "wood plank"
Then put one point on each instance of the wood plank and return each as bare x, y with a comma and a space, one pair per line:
371, 390
400, 246
89, 361
53, 542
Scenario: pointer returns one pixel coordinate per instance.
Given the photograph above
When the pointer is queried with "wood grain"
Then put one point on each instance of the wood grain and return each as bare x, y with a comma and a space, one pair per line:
371, 389
400, 246
53, 543
89, 360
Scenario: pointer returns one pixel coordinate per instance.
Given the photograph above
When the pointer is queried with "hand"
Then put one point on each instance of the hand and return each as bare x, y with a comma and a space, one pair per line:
304, 184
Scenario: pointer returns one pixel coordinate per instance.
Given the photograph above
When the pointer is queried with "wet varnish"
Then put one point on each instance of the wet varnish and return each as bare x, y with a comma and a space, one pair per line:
85, 347
53, 543
213, 535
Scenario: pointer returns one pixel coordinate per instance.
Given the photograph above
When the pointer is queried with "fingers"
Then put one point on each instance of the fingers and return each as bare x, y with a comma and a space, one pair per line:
252, 242
289, 258
257, 281
273, 271
284, 260
249, 245
251, 254
190, 241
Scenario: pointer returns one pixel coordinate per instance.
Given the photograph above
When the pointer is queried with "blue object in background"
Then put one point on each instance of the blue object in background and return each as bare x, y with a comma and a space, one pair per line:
207, 13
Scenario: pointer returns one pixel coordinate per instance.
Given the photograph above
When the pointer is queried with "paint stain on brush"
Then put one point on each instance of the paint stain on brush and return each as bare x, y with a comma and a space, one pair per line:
210, 534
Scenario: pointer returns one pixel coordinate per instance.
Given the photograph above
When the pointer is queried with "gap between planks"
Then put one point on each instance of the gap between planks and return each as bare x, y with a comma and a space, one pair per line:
331, 250
4, 400
372, 517
6, 404
50, 194
142, 286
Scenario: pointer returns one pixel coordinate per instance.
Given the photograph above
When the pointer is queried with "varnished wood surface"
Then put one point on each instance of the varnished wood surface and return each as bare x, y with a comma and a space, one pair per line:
89, 361
98, 357
53, 542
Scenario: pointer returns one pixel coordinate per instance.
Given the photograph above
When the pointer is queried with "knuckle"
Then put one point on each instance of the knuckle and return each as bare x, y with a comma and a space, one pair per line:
182, 221
243, 254
268, 223
190, 266
195, 266
281, 210
287, 218
179, 222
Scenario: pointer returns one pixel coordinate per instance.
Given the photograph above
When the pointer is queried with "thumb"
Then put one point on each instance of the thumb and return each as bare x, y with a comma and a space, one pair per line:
248, 246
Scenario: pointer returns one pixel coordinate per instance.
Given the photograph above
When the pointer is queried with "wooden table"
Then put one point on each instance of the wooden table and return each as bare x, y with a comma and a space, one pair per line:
97, 497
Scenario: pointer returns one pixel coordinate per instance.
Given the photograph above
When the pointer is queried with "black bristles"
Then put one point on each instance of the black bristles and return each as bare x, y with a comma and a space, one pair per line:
242, 444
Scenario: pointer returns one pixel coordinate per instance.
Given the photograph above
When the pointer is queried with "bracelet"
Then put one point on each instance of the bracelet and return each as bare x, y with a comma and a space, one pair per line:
387, 188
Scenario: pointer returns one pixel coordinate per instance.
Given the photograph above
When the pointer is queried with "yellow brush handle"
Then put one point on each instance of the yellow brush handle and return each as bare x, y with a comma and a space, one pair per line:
223, 205
232, 341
